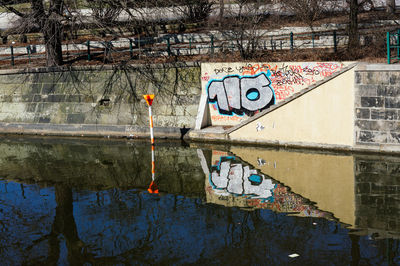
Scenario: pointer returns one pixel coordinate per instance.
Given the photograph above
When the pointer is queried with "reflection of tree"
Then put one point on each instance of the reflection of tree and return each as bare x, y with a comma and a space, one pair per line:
64, 223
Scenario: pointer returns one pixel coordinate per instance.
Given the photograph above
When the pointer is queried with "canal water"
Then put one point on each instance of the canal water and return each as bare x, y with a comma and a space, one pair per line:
88, 202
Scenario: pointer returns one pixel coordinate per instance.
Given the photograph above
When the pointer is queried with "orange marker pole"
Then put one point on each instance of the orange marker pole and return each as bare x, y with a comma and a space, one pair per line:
149, 100
153, 186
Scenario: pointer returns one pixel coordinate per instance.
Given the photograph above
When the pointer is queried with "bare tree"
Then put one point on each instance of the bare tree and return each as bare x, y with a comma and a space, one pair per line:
47, 18
244, 27
198, 10
353, 25
307, 11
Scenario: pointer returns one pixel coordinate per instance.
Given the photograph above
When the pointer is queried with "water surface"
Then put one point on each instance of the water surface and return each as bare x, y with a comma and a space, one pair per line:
85, 202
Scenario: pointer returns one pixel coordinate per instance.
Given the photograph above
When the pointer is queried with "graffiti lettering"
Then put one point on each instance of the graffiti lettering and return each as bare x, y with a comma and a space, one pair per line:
239, 95
222, 70
234, 178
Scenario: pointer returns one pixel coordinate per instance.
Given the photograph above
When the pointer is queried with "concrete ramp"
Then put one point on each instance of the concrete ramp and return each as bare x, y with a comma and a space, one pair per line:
321, 115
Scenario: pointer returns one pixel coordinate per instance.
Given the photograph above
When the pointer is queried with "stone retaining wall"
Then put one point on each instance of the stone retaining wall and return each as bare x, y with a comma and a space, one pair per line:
99, 101
377, 106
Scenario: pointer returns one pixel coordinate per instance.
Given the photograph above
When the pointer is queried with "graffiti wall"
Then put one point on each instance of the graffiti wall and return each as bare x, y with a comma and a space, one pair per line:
236, 91
234, 183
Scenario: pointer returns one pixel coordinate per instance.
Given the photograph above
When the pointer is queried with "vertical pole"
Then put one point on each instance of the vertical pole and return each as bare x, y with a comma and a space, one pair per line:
388, 47
88, 50
139, 44
168, 47
190, 44
291, 41
272, 44
130, 48
151, 126
334, 42
313, 40
153, 186
12, 55
398, 44
28, 50
212, 44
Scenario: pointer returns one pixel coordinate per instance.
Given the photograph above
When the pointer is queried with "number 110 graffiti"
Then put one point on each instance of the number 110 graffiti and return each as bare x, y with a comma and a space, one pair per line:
235, 94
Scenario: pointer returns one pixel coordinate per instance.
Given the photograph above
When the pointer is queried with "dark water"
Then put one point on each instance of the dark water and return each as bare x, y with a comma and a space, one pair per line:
66, 201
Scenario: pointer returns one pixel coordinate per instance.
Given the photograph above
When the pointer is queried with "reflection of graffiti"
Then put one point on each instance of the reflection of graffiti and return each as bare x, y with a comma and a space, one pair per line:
285, 201
233, 183
235, 94
230, 177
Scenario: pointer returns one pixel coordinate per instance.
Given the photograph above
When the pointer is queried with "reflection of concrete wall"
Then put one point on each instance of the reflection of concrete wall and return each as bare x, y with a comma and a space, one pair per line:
101, 165
325, 179
378, 192
323, 116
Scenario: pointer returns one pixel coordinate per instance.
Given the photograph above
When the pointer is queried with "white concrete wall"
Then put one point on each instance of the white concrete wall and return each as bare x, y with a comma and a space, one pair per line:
323, 116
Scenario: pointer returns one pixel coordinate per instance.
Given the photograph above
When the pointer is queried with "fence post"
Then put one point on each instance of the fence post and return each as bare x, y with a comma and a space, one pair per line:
334, 42
291, 41
88, 50
107, 50
139, 43
272, 44
398, 44
130, 48
28, 50
313, 38
388, 46
168, 47
190, 44
212, 44
12, 55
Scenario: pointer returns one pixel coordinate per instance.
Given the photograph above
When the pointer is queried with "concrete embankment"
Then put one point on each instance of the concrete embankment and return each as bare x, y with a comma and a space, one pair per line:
103, 101
332, 105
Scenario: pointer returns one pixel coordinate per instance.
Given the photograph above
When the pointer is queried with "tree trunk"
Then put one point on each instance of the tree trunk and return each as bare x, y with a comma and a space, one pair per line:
353, 25
51, 28
53, 36
221, 12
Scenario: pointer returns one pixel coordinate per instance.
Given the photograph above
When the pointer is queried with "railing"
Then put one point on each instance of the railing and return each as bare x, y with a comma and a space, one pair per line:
393, 46
183, 44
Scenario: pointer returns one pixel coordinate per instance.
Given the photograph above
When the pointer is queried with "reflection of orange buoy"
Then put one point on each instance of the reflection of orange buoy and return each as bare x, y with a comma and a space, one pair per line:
153, 188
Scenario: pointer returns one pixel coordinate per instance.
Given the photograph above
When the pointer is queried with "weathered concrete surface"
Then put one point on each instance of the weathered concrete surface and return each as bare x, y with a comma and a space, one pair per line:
99, 101
377, 107
320, 116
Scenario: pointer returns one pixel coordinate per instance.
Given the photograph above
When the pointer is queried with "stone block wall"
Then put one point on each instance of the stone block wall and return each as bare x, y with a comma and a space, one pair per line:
106, 100
377, 106
377, 190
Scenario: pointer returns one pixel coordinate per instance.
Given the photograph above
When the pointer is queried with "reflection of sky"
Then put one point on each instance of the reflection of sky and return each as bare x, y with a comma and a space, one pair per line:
136, 227
26, 214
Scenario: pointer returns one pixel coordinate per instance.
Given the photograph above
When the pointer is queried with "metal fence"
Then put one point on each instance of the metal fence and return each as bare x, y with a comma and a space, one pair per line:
393, 46
186, 44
